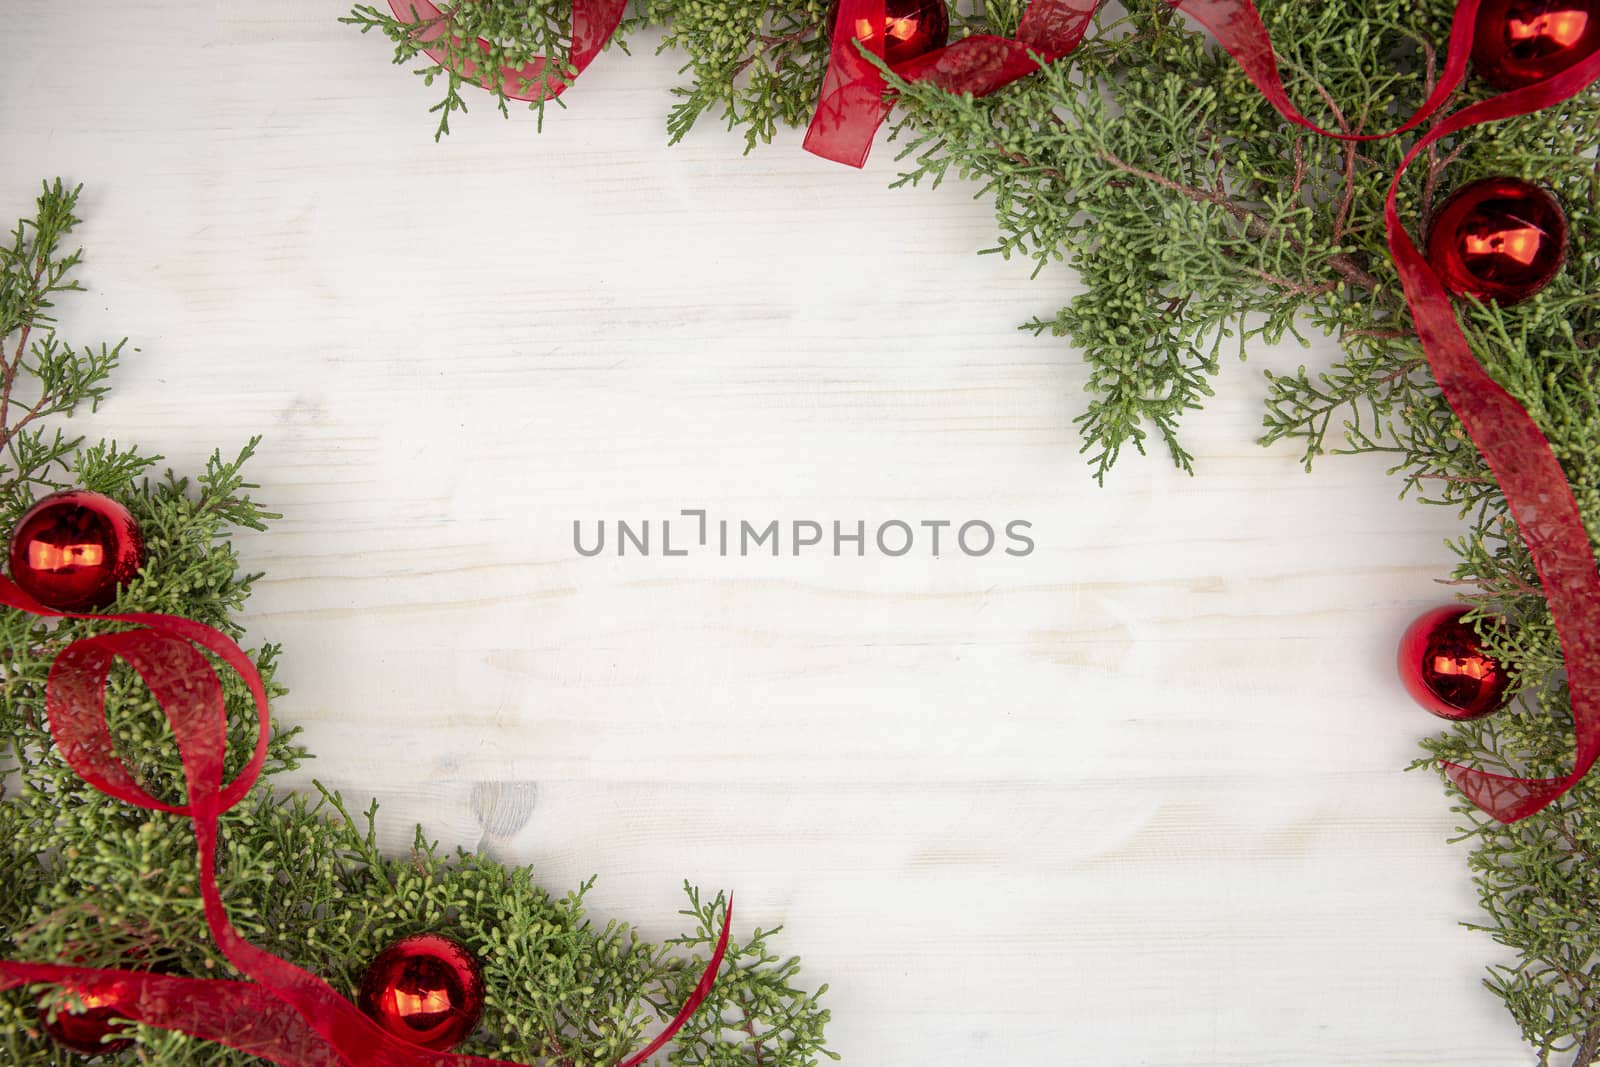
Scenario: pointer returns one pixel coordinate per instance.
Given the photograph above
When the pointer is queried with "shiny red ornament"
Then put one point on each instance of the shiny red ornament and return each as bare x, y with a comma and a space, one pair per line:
1519, 42
85, 1031
910, 28
73, 550
425, 988
1445, 668
1499, 239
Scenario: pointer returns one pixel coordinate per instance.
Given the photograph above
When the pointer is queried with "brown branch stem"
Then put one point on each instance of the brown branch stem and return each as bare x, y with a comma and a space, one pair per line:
1588, 1050
9, 367
755, 1040
1456, 479
1512, 581
1254, 225
777, 46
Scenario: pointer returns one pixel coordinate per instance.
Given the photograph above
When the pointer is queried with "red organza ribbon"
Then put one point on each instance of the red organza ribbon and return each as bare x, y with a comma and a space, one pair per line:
1535, 486
593, 23
287, 1015
852, 104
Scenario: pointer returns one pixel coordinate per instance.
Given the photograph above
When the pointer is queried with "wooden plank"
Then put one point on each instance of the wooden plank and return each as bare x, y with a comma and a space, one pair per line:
1133, 798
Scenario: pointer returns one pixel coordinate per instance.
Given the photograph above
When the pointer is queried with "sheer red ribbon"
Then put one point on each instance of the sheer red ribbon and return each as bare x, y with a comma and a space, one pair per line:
853, 104
1535, 486
286, 1014
593, 23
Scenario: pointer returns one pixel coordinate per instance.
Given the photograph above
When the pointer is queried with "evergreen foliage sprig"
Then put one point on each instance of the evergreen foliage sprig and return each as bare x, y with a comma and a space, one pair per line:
1195, 222
516, 34
87, 878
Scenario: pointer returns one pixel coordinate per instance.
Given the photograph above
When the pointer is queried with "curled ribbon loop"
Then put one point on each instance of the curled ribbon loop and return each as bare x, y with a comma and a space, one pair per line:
1535, 486
287, 1014
853, 104
593, 23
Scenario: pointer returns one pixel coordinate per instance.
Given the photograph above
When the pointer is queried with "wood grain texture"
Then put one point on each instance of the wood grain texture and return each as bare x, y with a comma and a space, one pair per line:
1133, 799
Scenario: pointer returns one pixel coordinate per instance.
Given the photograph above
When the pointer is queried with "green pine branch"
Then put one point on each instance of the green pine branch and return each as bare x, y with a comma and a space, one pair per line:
752, 66
517, 34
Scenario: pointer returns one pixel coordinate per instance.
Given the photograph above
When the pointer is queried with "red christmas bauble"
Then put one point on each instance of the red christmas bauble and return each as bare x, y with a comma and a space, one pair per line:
1499, 239
425, 988
73, 550
1446, 670
1519, 42
910, 28
84, 1032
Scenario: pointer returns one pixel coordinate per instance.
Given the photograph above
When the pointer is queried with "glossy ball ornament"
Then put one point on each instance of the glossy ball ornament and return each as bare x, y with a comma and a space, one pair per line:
1519, 42
73, 550
1499, 239
1446, 670
425, 988
84, 1032
910, 28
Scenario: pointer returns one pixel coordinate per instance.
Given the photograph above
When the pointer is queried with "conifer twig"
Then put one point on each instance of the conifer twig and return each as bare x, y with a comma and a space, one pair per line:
1255, 227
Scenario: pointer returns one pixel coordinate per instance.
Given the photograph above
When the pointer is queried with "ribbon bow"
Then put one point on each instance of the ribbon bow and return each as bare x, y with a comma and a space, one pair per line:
853, 103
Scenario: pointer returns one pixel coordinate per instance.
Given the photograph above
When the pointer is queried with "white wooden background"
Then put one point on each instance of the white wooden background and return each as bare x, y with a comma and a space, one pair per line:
1134, 799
